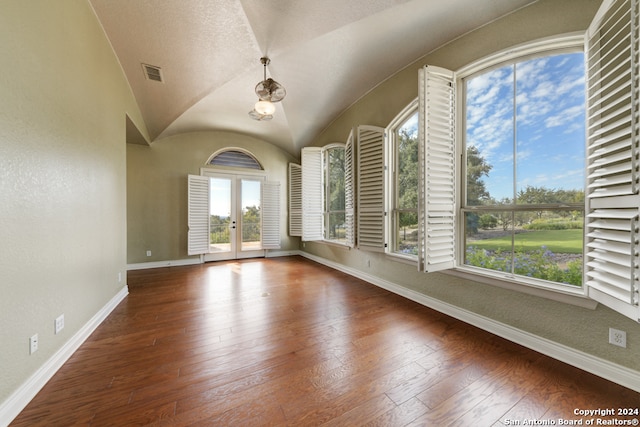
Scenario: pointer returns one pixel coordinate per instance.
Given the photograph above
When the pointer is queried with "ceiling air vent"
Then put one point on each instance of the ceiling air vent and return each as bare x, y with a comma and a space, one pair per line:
152, 72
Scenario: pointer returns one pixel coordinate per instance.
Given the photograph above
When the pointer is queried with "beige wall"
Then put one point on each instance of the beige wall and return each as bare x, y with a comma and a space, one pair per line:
157, 190
63, 101
578, 328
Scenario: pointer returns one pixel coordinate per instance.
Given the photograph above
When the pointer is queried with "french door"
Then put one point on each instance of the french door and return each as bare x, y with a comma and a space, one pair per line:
234, 216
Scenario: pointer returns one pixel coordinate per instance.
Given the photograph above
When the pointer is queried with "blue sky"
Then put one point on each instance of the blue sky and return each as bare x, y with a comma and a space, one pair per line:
549, 123
220, 195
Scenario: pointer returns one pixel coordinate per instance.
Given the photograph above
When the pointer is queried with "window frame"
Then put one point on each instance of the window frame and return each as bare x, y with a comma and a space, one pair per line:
314, 187
567, 43
391, 153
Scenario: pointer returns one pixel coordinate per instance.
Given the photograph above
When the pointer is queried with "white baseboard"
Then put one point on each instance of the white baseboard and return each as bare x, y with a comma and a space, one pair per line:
274, 254
616, 373
169, 263
269, 253
11, 408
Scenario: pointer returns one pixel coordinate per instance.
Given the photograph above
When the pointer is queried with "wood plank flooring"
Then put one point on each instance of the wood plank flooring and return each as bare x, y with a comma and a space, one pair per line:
288, 342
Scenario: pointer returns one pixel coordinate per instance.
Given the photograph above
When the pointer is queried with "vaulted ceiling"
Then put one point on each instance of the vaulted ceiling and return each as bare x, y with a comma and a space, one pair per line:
326, 53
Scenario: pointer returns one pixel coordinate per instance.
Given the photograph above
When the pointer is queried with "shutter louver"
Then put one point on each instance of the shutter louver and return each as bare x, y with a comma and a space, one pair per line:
612, 264
198, 215
370, 227
349, 192
295, 200
437, 196
270, 215
312, 194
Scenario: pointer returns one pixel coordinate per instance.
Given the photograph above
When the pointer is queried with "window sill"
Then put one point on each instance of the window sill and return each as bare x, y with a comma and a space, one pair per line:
568, 295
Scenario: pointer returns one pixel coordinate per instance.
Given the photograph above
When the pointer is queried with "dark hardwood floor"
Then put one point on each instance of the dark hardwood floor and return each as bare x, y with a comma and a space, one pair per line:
286, 341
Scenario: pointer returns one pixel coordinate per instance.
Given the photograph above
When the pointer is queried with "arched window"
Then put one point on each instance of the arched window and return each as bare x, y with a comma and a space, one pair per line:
524, 142
402, 156
235, 158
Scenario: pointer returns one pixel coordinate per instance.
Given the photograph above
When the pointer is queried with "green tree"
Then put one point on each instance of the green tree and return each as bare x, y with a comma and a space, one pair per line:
219, 227
504, 218
487, 221
251, 224
335, 192
477, 194
335, 157
541, 195
408, 175
477, 167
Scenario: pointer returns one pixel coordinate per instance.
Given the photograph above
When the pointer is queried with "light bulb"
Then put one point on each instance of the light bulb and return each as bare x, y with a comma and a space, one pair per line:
265, 107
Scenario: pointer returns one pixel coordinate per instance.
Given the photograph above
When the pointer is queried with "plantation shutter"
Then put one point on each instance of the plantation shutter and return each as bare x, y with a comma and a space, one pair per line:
612, 220
370, 227
312, 194
198, 215
295, 200
349, 192
437, 198
270, 215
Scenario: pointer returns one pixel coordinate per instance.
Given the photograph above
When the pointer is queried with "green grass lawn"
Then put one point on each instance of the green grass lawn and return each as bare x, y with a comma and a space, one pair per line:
557, 241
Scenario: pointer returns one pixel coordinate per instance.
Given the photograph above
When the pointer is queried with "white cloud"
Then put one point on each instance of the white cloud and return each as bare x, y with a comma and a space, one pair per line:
549, 102
565, 117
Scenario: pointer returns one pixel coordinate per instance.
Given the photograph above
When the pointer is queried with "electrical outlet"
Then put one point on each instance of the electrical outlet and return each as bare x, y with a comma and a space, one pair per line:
33, 344
148, 253
617, 337
59, 324
119, 276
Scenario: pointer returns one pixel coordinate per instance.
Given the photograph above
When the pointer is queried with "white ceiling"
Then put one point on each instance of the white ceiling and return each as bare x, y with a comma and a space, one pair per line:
326, 53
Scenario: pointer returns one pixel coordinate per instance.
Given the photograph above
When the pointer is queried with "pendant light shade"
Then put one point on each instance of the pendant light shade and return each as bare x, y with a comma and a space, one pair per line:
265, 107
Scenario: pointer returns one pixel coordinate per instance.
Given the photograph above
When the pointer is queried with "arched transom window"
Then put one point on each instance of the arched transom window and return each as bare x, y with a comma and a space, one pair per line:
236, 159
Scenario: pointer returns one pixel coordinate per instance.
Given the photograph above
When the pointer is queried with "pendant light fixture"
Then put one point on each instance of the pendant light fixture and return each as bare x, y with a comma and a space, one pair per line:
268, 91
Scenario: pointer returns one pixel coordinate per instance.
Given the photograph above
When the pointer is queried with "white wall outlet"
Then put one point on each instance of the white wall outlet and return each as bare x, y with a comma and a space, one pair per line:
617, 337
33, 344
148, 253
59, 324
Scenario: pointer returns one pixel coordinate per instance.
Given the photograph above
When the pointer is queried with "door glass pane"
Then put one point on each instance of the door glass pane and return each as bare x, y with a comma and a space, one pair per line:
251, 237
219, 214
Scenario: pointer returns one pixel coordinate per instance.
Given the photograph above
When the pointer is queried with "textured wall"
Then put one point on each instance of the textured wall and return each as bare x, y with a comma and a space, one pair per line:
63, 101
579, 328
157, 189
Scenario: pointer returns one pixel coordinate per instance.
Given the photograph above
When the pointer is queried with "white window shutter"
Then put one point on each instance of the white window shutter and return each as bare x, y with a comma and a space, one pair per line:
349, 192
370, 227
437, 195
312, 194
198, 221
270, 215
295, 200
612, 221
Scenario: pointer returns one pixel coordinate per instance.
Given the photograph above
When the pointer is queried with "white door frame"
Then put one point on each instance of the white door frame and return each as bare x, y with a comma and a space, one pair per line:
236, 177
